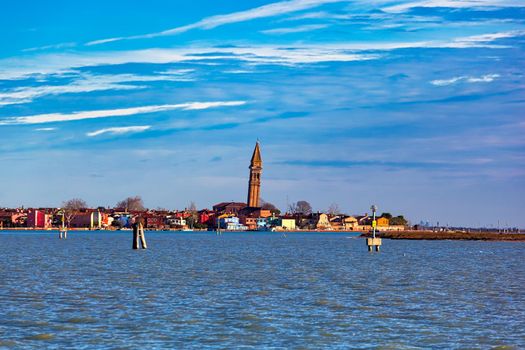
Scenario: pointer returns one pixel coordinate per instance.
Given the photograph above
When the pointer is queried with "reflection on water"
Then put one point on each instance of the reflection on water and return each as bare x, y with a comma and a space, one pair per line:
310, 291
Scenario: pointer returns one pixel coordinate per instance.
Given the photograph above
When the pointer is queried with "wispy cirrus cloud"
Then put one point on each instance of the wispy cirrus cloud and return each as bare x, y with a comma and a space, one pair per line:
85, 83
49, 47
270, 10
482, 79
122, 112
299, 29
45, 129
22, 67
454, 4
119, 130
396, 164
366, 163
492, 36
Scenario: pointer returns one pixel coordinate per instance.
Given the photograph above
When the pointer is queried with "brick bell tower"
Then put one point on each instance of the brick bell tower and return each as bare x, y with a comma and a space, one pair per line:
254, 184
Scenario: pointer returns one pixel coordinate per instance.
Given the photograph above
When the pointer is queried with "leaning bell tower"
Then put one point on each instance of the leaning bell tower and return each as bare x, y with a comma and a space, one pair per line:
254, 184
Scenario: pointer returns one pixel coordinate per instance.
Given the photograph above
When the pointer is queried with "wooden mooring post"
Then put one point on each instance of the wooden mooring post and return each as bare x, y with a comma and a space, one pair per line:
138, 234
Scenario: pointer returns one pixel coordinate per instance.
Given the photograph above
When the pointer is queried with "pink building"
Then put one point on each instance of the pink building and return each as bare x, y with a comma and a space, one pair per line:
38, 219
12, 218
90, 219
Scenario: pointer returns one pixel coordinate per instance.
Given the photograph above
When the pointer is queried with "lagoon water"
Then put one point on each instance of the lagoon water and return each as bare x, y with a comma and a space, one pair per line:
261, 290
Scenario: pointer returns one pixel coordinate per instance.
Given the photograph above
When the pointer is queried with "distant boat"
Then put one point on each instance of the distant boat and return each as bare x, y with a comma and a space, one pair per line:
187, 230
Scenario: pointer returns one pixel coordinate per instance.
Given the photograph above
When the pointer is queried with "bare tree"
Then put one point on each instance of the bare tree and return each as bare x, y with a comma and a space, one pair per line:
304, 207
132, 204
192, 207
194, 216
333, 209
292, 208
71, 208
269, 206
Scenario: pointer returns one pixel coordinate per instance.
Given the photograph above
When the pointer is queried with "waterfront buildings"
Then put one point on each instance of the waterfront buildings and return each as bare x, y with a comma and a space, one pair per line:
228, 207
38, 219
12, 218
231, 223
234, 216
94, 220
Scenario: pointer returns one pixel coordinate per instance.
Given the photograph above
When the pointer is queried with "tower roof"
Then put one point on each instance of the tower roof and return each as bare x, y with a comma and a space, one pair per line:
256, 157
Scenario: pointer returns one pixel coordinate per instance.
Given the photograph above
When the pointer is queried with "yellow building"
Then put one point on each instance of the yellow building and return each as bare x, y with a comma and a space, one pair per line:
287, 224
382, 222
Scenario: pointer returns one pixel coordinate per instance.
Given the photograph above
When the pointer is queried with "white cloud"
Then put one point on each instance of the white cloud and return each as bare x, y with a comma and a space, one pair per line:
237, 71
45, 129
119, 130
482, 79
86, 83
41, 65
491, 36
445, 82
299, 29
104, 41
270, 10
47, 47
454, 4
319, 15
122, 112
178, 72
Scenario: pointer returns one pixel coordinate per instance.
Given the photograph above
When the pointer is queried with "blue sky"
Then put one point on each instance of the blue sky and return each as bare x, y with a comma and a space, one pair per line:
416, 106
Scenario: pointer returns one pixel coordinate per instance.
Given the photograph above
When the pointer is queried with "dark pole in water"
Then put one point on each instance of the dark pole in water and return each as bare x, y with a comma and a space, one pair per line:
138, 233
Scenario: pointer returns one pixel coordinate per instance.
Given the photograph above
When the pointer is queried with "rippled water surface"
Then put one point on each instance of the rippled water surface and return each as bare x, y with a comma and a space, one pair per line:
242, 290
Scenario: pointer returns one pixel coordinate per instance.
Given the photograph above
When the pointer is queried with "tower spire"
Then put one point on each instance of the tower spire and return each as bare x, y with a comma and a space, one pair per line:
256, 157
254, 183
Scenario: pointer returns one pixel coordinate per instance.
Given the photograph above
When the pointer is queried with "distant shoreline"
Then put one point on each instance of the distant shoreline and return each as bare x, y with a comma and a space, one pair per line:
81, 229
405, 235
463, 236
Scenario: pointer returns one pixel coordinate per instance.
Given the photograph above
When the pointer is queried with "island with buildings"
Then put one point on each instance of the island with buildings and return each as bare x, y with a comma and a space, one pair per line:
254, 215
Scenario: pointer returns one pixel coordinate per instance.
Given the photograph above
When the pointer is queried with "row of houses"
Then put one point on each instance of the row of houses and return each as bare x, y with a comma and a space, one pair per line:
93, 219
230, 216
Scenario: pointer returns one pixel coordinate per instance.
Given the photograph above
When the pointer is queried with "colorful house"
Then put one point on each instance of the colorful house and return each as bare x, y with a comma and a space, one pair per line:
382, 222
231, 223
344, 223
93, 220
38, 219
206, 217
12, 218
286, 223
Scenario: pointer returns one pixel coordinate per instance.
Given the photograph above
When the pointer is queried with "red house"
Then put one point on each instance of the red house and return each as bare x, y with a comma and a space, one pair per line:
38, 219
205, 216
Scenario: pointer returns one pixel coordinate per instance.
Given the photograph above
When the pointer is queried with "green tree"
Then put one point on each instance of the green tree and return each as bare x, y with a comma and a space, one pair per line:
398, 220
